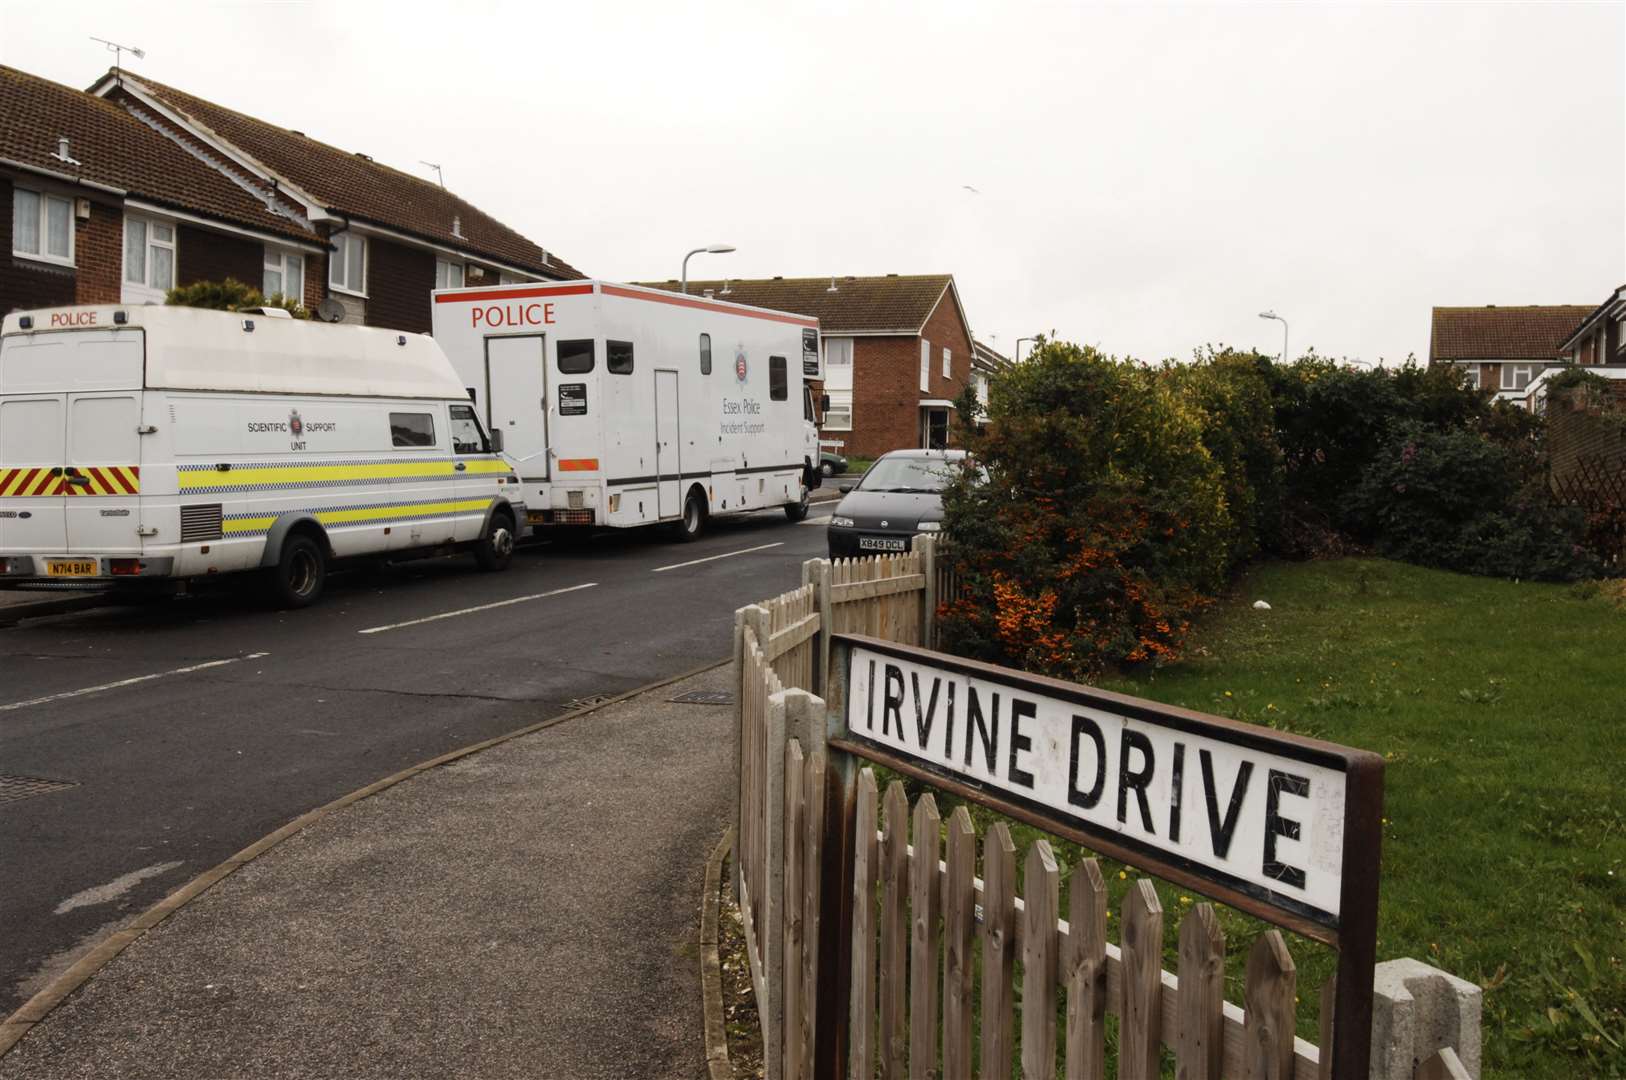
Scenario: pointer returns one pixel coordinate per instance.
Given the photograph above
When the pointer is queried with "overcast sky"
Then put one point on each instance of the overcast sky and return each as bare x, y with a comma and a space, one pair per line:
1148, 178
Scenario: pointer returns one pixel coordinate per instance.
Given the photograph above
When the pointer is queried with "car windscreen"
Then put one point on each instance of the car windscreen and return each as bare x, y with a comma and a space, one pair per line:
925, 475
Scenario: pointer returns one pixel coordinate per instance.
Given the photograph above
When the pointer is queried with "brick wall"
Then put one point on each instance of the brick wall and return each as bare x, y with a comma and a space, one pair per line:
202, 255
25, 284
886, 382
99, 250
1588, 446
399, 280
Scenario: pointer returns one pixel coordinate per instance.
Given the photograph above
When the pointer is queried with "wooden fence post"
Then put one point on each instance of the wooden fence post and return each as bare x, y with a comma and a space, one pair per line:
1268, 999
790, 941
998, 949
816, 572
1087, 983
925, 896
773, 900
866, 868
1201, 1046
1141, 1017
739, 749
815, 818
926, 544
1042, 894
894, 932
959, 964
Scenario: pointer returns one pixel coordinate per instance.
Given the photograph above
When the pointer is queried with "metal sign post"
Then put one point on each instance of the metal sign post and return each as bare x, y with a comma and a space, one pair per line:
1284, 827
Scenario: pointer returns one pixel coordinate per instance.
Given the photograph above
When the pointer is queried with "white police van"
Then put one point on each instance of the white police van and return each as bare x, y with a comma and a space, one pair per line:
141, 443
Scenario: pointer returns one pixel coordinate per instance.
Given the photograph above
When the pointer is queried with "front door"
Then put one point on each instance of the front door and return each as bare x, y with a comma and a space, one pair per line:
32, 437
668, 451
517, 400
102, 477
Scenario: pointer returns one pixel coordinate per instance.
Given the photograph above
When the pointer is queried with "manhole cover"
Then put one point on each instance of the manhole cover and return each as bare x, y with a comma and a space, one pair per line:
704, 697
13, 788
587, 702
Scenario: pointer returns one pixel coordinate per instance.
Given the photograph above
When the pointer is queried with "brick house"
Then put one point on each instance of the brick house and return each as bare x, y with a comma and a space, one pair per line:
897, 351
155, 188
1503, 349
1599, 338
101, 209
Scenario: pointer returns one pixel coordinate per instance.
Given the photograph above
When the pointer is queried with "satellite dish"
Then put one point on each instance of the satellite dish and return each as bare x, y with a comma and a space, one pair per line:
330, 310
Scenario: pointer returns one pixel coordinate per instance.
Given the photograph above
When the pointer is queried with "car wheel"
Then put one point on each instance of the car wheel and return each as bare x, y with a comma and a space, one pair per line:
300, 574
496, 551
693, 522
827, 469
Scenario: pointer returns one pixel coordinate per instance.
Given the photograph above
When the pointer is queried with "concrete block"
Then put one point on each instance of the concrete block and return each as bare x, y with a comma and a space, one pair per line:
1417, 1010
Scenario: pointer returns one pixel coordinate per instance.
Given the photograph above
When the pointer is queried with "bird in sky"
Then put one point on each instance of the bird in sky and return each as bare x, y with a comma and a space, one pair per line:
971, 189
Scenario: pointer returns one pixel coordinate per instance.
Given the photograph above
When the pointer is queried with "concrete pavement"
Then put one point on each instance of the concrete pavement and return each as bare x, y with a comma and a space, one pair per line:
528, 911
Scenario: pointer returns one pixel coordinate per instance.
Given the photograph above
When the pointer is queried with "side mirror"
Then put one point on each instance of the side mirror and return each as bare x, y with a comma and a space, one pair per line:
496, 440
824, 403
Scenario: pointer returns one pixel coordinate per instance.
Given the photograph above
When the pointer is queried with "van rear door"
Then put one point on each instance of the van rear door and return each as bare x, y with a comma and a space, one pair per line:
32, 435
70, 406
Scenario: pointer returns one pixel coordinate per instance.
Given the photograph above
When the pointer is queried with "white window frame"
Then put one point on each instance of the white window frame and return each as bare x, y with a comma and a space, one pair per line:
1620, 332
279, 259
1513, 383
948, 363
443, 272
43, 225
841, 405
925, 366
133, 291
348, 242
1473, 375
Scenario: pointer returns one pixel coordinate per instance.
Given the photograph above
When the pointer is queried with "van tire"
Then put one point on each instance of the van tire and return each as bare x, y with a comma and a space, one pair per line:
300, 574
495, 550
692, 524
797, 511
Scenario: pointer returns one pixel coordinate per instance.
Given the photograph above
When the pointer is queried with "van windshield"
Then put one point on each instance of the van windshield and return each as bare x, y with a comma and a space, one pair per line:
910, 474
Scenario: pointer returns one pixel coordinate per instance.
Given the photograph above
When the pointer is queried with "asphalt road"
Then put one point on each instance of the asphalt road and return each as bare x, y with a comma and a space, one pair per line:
192, 727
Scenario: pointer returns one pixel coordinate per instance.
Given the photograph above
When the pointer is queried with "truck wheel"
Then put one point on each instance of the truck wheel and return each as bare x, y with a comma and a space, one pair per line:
693, 522
298, 577
797, 511
496, 551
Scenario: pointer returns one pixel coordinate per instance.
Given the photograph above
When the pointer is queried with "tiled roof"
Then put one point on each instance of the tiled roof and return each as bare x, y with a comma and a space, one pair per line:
985, 357
1618, 296
114, 149
893, 303
1503, 333
357, 186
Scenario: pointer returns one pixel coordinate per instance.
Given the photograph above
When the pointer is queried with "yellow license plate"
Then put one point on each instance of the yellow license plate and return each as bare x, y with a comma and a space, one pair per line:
70, 567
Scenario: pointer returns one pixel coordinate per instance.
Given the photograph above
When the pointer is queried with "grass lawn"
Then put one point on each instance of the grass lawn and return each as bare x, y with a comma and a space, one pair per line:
1501, 709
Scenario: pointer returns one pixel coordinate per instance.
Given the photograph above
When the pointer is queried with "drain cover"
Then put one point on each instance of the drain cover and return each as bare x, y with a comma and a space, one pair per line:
704, 697
587, 702
13, 788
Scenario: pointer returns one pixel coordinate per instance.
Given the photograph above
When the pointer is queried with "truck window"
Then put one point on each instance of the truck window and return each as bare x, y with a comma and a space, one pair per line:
778, 382
705, 354
467, 435
576, 357
618, 357
807, 404
412, 429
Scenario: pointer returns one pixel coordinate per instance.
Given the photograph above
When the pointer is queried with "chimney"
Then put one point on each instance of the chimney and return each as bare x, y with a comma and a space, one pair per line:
62, 154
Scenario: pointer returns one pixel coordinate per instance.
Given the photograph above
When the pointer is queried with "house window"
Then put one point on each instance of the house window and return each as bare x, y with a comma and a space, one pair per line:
838, 363
948, 364
839, 416
284, 275
149, 255
705, 354
778, 379
41, 226
1517, 376
925, 366
1473, 375
448, 275
347, 265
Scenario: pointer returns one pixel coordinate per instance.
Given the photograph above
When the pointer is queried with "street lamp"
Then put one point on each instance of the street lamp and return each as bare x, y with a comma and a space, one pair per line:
714, 249
1278, 318
1016, 354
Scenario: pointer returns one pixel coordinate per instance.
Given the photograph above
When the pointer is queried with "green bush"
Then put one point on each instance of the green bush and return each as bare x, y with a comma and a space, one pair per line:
231, 295
1457, 500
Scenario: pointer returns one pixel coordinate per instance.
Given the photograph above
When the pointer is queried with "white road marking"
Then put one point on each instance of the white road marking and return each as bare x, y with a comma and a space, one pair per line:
127, 682
472, 610
114, 889
714, 558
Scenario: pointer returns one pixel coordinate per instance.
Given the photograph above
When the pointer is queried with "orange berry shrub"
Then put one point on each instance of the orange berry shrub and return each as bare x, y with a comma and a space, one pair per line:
1094, 524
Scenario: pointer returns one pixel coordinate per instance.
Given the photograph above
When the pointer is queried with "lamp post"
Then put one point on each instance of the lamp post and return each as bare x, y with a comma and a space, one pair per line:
1016, 354
714, 249
1278, 318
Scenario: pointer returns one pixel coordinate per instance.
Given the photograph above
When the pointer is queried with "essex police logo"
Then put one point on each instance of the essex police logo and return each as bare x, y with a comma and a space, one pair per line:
296, 426
739, 364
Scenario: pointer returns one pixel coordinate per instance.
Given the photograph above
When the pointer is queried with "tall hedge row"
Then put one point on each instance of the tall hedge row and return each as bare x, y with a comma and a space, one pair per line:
1115, 499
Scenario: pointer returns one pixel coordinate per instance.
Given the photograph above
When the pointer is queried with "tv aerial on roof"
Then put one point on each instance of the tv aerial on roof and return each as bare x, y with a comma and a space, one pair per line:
118, 51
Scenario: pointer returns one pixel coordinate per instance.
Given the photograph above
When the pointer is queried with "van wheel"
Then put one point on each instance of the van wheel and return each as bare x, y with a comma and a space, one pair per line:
693, 522
299, 576
797, 511
497, 549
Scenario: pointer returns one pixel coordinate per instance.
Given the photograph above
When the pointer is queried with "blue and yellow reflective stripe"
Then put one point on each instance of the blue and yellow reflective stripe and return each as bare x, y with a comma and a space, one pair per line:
273, 476
257, 524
